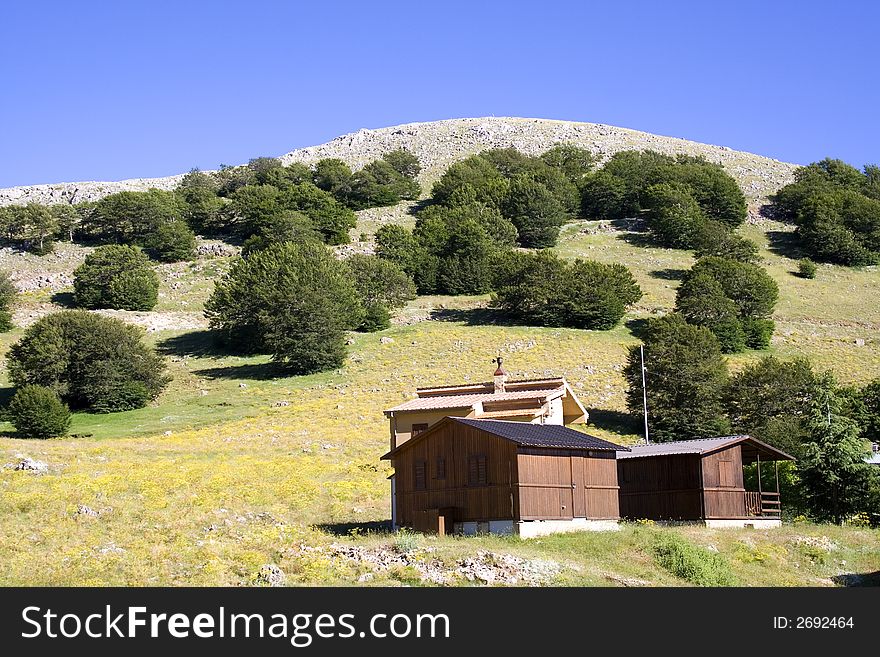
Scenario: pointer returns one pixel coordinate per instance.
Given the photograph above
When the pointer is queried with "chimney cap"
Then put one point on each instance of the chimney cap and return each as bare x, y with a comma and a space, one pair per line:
500, 370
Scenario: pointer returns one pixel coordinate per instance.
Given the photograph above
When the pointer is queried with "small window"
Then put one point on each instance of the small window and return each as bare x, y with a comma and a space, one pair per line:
441, 468
477, 471
419, 475
417, 429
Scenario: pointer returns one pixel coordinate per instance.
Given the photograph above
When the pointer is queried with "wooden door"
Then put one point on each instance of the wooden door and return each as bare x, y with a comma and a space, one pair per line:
578, 486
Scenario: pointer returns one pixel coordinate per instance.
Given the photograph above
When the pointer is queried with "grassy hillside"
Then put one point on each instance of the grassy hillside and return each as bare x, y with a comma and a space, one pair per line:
236, 466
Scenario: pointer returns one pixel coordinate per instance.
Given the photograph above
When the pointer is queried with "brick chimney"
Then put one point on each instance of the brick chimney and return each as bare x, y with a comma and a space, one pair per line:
500, 376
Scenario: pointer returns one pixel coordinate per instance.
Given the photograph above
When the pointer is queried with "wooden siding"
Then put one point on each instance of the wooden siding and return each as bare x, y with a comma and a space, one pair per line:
661, 487
557, 484
683, 486
455, 444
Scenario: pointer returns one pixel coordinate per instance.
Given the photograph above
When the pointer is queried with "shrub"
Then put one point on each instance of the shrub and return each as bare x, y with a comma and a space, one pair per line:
8, 295
807, 268
759, 331
542, 289
535, 211
379, 184
713, 238
692, 563
131, 217
330, 217
404, 162
173, 241
381, 286
37, 412
292, 300
686, 379
674, 216
118, 277
92, 362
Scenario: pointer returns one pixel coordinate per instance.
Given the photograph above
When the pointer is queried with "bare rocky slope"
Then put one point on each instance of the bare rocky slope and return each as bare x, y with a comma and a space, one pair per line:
439, 143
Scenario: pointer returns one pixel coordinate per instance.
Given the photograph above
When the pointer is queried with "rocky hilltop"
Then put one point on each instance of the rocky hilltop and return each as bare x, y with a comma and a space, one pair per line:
439, 143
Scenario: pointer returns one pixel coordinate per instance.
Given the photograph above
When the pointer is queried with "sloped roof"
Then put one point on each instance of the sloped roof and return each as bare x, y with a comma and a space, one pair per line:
705, 446
526, 434
440, 402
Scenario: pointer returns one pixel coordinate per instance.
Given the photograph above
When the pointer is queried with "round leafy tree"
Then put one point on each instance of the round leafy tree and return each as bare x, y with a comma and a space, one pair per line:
92, 362
37, 412
173, 241
8, 293
116, 276
293, 300
382, 287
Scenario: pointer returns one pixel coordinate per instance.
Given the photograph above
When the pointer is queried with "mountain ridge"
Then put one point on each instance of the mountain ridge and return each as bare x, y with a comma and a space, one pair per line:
440, 143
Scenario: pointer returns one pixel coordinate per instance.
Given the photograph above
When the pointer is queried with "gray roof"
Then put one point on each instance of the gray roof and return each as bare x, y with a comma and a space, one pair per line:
700, 446
540, 435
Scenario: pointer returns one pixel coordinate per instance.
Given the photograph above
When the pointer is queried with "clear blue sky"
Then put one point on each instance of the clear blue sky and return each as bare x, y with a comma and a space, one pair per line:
112, 90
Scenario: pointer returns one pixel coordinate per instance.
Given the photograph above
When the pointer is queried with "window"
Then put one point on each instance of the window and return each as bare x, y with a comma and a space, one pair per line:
441, 468
419, 475
417, 429
477, 472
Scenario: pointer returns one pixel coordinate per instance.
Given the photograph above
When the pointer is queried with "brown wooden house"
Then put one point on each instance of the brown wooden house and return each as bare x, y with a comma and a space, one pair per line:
467, 476
701, 480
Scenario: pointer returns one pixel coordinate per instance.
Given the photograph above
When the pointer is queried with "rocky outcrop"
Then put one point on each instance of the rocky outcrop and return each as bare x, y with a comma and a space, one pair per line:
440, 143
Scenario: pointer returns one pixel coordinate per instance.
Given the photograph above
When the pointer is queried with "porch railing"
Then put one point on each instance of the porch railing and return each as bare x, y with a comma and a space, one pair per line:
762, 504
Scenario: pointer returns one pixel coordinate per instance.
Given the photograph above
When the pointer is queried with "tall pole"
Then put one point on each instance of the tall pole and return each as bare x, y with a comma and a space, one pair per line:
644, 391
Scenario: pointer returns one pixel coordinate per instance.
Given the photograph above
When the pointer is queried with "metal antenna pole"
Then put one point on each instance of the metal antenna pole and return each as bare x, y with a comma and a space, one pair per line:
644, 392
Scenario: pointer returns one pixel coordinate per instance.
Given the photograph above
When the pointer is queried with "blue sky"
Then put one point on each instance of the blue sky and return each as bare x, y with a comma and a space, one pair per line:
112, 90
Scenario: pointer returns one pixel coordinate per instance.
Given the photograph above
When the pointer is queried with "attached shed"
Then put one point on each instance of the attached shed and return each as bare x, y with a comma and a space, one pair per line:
701, 480
471, 476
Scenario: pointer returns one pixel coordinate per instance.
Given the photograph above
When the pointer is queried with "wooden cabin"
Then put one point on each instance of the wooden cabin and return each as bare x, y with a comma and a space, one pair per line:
469, 476
538, 401
702, 481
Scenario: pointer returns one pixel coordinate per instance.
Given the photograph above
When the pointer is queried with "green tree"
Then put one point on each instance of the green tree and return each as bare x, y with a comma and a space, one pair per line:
487, 183
172, 242
382, 286
380, 184
713, 238
575, 162
330, 217
334, 176
37, 412
116, 276
294, 301
686, 378
254, 206
675, 218
836, 481
289, 226
8, 296
92, 362
404, 162
398, 245
131, 217
701, 301
263, 167
535, 211
40, 226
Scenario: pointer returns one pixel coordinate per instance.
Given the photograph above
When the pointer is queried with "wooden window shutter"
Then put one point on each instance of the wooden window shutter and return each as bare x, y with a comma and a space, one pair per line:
441, 468
419, 475
477, 471
726, 476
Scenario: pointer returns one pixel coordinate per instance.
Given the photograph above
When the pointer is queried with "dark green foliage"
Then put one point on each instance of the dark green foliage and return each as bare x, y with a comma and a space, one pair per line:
229, 179
282, 177
868, 411
292, 300
380, 184
535, 212
382, 286
836, 481
252, 207
68, 219
263, 167
542, 289
333, 176
32, 227
713, 238
678, 194
486, 182
686, 379
749, 288
8, 295
116, 276
173, 241
329, 217
397, 244
701, 301
92, 362
692, 563
202, 210
836, 209
289, 226
131, 217
571, 160
404, 162
675, 219
37, 412
771, 399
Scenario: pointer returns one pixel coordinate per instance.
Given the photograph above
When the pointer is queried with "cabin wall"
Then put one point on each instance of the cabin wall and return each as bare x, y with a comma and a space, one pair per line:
453, 497
402, 422
723, 484
557, 484
663, 487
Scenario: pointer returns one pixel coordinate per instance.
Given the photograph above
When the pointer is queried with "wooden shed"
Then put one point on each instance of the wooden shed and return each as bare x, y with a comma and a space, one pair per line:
472, 476
702, 480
